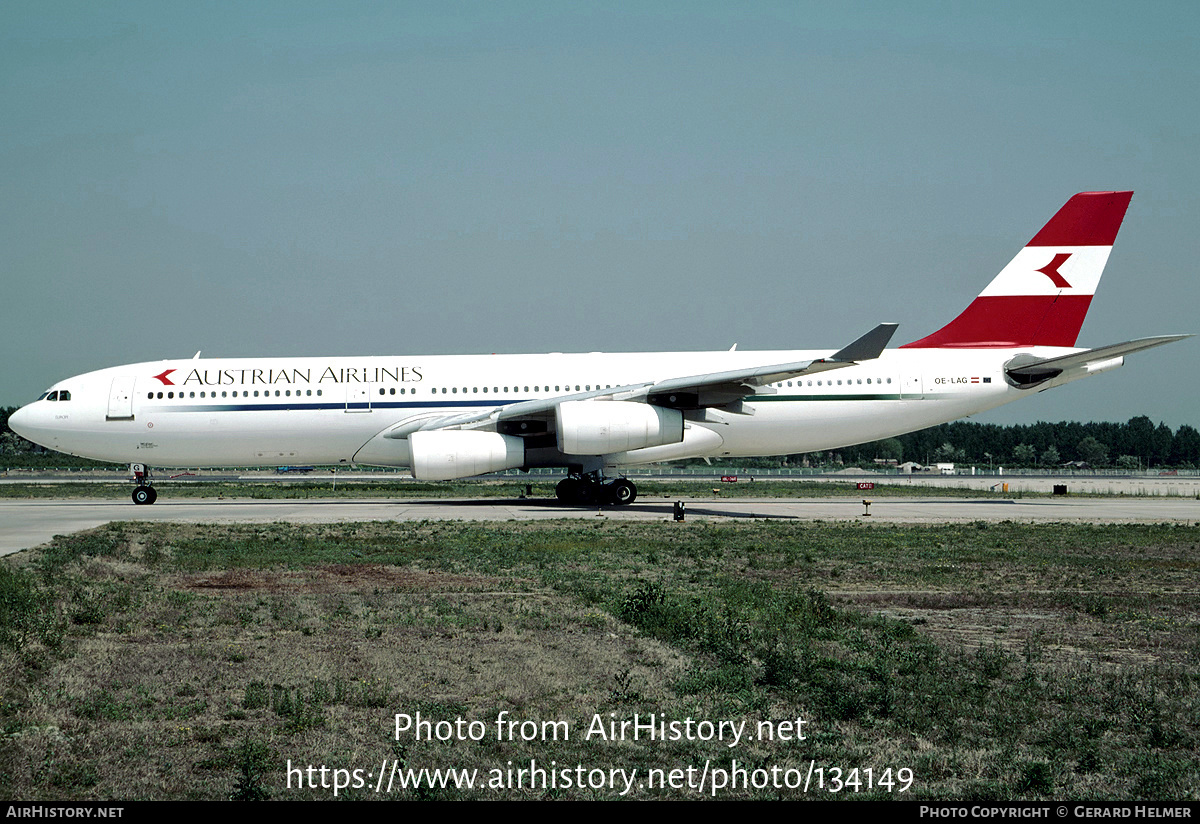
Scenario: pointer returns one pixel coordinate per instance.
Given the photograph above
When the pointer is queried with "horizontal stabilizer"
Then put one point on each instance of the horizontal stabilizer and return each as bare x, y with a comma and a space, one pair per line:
1024, 370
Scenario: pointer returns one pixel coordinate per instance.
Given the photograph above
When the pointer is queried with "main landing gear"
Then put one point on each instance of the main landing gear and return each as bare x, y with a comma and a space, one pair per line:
144, 493
594, 488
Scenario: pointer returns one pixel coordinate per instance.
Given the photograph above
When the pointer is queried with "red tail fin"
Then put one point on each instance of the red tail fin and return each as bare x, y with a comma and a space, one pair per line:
1042, 296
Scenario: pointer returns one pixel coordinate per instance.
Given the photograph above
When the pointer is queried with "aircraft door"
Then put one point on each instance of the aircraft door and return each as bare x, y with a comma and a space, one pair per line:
358, 397
911, 386
120, 399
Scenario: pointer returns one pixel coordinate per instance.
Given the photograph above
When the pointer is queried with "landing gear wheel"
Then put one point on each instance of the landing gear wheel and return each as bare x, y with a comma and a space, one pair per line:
593, 489
622, 492
144, 495
571, 491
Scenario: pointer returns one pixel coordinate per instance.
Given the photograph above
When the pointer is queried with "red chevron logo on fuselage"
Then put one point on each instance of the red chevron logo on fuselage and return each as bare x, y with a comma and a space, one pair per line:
163, 377
1050, 270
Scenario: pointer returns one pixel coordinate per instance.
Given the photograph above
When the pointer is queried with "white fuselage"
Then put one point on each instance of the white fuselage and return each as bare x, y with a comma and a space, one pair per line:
267, 412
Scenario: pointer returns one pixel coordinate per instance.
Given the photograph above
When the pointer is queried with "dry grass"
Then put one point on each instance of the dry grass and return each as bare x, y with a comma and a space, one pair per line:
179, 662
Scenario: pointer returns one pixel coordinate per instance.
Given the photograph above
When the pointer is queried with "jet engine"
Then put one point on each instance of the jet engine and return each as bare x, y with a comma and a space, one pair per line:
442, 455
601, 427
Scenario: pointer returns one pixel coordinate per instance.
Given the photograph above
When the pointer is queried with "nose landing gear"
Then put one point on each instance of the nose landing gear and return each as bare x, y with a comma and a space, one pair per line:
144, 494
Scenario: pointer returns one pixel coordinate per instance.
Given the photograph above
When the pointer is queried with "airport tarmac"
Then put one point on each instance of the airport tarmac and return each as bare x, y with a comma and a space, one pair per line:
29, 523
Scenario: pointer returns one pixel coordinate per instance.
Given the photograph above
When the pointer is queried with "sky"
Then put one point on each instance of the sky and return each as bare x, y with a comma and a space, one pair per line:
409, 178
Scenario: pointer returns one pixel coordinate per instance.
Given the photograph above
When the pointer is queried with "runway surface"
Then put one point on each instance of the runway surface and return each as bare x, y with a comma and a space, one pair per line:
28, 523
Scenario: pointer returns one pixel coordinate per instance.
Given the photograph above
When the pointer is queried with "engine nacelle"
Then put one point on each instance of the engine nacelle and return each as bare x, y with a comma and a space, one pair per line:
601, 427
444, 455
697, 440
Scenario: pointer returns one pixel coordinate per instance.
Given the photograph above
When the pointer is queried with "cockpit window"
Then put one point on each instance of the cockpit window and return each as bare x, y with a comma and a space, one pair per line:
43, 396
53, 396
64, 395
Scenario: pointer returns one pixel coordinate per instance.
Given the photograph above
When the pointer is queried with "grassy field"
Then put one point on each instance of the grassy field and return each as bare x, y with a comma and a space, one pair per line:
359, 488
981, 661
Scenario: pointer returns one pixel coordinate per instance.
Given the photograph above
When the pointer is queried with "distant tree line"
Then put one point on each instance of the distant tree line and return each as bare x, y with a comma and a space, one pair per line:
1135, 444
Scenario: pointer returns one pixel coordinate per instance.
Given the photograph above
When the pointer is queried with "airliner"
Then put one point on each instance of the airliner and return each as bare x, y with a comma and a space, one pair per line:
457, 416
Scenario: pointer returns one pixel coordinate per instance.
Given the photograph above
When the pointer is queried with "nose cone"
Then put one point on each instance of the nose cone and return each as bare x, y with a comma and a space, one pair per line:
21, 422
32, 422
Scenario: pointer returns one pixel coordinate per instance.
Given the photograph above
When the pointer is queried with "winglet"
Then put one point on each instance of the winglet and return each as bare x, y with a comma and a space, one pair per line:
869, 346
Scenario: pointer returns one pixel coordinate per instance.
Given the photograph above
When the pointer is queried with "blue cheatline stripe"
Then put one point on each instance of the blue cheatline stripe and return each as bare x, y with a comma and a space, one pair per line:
283, 406
475, 404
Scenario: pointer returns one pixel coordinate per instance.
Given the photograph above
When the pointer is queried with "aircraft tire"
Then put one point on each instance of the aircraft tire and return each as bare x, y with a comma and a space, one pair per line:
571, 491
144, 495
623, 492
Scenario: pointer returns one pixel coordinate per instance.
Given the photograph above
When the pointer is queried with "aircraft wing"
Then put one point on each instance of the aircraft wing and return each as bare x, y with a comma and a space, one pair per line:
711, 389
1025, 369
868, 347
